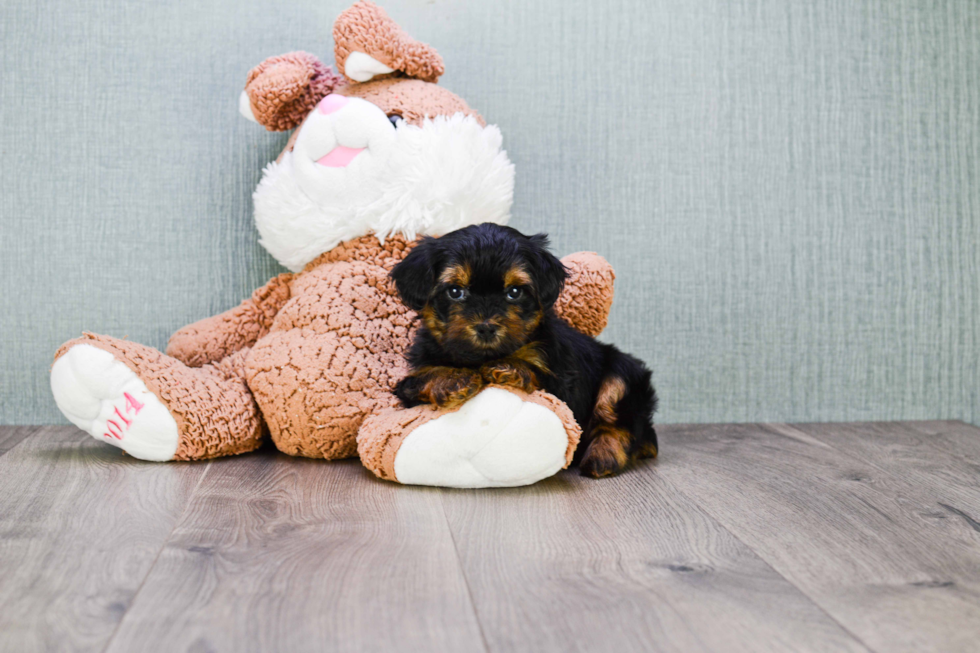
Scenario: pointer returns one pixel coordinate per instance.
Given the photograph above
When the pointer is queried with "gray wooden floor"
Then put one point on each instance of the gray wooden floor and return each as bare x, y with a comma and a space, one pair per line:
831, 537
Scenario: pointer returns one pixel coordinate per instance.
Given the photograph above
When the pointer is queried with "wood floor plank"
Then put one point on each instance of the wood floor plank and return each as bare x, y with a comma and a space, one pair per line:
80, 527
956, 438
10, 436
623, 564
863, 544
923, 456
276, 553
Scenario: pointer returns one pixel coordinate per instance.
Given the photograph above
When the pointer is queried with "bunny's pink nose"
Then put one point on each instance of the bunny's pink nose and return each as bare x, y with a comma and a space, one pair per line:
332, 102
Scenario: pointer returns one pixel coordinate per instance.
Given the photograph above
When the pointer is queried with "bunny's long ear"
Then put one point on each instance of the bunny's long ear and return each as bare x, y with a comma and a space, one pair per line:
370, 45
281, 91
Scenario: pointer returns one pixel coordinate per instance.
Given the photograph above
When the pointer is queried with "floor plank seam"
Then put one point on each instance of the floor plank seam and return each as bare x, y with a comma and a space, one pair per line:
156, 558
768, 564
462, 573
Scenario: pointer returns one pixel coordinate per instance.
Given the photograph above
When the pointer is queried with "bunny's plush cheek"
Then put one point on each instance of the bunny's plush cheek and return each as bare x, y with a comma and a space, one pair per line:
340, 153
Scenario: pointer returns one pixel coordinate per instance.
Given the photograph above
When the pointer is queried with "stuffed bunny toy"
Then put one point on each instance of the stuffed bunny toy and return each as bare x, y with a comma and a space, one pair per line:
380, 155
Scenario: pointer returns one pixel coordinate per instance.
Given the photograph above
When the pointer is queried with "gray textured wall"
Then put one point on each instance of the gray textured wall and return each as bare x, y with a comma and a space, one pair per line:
788, 189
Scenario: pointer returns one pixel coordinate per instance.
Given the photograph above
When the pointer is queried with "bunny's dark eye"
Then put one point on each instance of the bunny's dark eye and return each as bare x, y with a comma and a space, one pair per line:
394, 118
514, 293
455, 293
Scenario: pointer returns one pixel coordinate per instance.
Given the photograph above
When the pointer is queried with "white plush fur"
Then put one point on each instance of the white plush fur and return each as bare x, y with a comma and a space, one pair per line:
245, 107
428, 180
495, 440
89, 385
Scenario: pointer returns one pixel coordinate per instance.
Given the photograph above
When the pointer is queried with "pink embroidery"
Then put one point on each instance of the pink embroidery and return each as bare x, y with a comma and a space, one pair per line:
128, 422
132, 405
117, 434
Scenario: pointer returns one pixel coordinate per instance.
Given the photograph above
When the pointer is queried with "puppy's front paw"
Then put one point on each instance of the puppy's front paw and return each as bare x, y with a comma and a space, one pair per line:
451, 387
509, 374
606, 454
409, 390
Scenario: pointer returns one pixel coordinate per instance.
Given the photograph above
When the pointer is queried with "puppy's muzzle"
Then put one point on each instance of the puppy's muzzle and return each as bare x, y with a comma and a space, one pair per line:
486, 332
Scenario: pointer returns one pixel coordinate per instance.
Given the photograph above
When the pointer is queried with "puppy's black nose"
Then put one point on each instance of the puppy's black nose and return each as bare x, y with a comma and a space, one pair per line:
486, 331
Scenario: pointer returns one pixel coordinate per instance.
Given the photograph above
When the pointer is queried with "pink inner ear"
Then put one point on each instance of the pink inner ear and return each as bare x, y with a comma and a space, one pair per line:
339, 156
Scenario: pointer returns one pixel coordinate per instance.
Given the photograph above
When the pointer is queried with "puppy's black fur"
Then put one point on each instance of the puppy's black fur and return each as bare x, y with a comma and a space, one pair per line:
486, 296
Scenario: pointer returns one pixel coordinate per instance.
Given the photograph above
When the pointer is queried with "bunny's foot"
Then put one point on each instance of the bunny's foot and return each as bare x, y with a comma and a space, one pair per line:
500, 438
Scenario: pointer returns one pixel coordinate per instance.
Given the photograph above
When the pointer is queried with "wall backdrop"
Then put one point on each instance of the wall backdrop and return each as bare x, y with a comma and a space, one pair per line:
789, 190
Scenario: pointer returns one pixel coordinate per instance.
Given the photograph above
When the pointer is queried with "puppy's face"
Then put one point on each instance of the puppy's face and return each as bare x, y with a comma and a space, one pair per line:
481, 291
485, 306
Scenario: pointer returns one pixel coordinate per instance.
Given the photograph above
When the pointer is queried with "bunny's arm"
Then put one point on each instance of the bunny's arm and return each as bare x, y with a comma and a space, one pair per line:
218, 336
588, 294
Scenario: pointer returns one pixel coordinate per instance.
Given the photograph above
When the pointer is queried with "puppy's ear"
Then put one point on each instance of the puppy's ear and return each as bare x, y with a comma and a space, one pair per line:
550, 273
415, 275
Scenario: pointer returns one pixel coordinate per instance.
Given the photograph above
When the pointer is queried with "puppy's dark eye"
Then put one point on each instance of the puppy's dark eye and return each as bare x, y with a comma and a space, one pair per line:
514, 292
394, 118
455, 293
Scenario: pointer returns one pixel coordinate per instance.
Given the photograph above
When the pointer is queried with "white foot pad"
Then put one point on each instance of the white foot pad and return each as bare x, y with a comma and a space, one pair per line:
495, 440
104, 398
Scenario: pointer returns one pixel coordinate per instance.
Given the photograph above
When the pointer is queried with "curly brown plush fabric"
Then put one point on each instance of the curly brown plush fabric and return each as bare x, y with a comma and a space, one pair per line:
213, 407
382, 435
365, 27
334, 351
216, 337
367, 249
411, 99
283, 90
588, 293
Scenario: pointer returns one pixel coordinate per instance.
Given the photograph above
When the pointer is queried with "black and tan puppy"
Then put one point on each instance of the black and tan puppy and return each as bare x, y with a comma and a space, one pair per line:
485, 295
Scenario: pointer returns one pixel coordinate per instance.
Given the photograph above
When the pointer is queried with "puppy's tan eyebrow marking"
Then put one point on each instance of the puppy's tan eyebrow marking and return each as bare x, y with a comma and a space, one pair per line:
456, 274
516, 276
